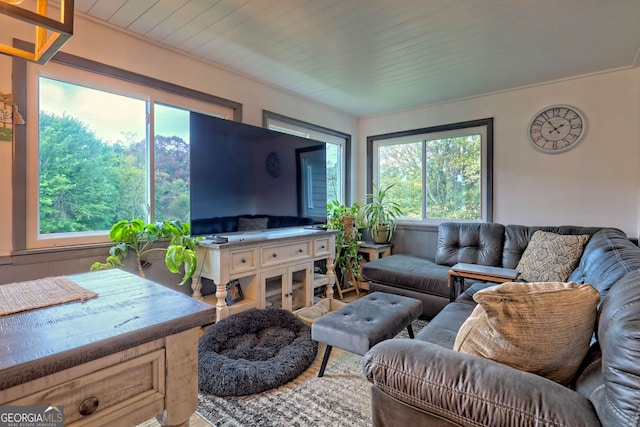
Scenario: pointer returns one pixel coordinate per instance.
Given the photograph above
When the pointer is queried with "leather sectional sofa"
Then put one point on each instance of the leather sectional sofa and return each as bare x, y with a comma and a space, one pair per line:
424, 382
491, 244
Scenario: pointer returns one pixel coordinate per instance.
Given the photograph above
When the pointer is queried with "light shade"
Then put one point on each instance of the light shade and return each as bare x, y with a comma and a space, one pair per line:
46, 45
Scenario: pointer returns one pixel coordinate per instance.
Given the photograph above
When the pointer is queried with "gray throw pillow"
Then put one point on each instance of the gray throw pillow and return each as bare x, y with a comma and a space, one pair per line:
551, 257
249, 224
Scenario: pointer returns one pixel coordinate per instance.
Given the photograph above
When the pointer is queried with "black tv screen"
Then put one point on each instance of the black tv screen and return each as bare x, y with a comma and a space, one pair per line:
239, 170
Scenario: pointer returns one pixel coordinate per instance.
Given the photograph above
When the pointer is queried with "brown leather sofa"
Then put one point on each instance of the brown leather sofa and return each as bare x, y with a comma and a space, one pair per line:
424, 382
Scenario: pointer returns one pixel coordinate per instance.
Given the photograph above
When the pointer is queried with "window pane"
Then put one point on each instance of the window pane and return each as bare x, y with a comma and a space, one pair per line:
454, 177
401, 165
439, 173
92, 158
335, 178
171, 175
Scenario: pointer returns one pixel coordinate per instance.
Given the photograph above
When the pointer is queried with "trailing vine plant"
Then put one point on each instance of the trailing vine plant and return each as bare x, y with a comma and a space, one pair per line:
345, 219
139, 238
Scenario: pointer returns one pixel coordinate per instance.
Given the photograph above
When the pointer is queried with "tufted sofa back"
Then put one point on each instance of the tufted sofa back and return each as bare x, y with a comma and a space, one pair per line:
492, 244
517, 238
474, 243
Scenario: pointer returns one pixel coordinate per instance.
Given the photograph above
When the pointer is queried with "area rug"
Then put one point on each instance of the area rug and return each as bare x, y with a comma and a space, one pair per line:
341, 398
254, 351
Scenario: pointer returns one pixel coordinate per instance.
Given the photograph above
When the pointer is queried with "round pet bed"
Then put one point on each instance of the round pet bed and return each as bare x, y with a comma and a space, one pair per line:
254, 351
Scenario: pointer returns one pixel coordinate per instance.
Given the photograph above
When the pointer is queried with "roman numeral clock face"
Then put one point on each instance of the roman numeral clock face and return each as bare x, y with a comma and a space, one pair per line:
556, 129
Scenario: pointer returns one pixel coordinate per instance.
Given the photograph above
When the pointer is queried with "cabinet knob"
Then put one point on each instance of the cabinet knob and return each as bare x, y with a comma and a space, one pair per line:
322, 247
243, 260
88, 406
299, 251
274, 255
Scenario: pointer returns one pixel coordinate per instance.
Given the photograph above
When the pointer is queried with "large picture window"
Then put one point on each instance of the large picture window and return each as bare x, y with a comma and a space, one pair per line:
436, 174
104, 150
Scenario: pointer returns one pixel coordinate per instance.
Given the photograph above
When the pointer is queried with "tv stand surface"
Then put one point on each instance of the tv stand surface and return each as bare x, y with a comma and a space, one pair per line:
256, 258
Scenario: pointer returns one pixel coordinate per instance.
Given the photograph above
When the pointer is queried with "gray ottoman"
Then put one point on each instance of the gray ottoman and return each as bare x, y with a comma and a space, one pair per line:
365, 322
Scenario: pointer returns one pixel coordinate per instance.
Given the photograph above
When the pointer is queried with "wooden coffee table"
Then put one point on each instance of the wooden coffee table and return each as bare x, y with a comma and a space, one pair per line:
461, 271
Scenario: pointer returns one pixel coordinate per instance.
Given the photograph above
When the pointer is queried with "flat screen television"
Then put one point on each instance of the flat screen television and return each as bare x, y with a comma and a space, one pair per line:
239, 170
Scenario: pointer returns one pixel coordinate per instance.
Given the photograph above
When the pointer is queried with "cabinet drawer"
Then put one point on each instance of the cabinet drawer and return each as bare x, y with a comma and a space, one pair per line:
273, 255
134, 383
243, 261
321, 247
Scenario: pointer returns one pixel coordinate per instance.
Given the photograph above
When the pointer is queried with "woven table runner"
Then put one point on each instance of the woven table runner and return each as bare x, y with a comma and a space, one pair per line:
23, 296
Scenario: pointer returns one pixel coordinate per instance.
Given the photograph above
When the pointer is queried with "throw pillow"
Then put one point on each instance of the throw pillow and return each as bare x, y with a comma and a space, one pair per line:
551, 257
249, 224
543, 328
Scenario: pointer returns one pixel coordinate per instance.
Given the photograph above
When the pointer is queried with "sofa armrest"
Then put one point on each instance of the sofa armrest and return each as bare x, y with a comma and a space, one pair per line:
469, 390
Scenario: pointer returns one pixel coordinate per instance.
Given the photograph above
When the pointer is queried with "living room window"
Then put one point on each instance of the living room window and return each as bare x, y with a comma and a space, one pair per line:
439, 173
102, 150
338, 150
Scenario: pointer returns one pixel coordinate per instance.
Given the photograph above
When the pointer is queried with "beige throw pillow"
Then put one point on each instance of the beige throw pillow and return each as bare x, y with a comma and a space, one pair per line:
551, 257
543, 328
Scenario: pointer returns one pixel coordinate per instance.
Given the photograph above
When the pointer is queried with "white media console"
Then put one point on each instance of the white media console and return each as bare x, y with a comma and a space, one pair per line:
274, 268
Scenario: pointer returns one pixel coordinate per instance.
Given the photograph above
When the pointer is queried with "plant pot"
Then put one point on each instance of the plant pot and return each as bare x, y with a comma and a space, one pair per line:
381, 235
350, 230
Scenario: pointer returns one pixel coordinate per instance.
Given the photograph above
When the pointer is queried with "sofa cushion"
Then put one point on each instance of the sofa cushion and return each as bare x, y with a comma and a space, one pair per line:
551, 257
542, 328
616, 400
228, 224
250, 224
443, 328
279, 221
474, 243
607, 257
409, 272
517, 238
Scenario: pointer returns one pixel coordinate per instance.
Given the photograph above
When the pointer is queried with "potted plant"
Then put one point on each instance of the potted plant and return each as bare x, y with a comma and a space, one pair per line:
381, 213
345, 219
140, 238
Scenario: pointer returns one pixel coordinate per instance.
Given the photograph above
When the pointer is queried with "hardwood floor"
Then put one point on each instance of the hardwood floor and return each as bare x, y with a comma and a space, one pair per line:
351, 296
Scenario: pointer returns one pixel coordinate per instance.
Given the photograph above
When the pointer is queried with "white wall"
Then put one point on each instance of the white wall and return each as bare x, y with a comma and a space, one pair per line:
594, 184
107, 45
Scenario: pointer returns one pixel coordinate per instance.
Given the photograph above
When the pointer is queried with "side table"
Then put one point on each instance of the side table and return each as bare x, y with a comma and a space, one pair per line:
460, 271
373, 251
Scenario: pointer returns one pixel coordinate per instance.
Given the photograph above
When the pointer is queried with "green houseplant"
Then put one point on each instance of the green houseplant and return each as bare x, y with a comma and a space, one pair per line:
345, 220
381, 214
139, 238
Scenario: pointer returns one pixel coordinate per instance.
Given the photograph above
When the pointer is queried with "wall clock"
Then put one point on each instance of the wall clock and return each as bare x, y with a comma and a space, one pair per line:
273, 164
557, 128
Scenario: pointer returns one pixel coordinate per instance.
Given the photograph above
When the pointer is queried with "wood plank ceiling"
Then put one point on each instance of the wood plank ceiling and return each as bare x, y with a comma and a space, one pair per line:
370, 57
